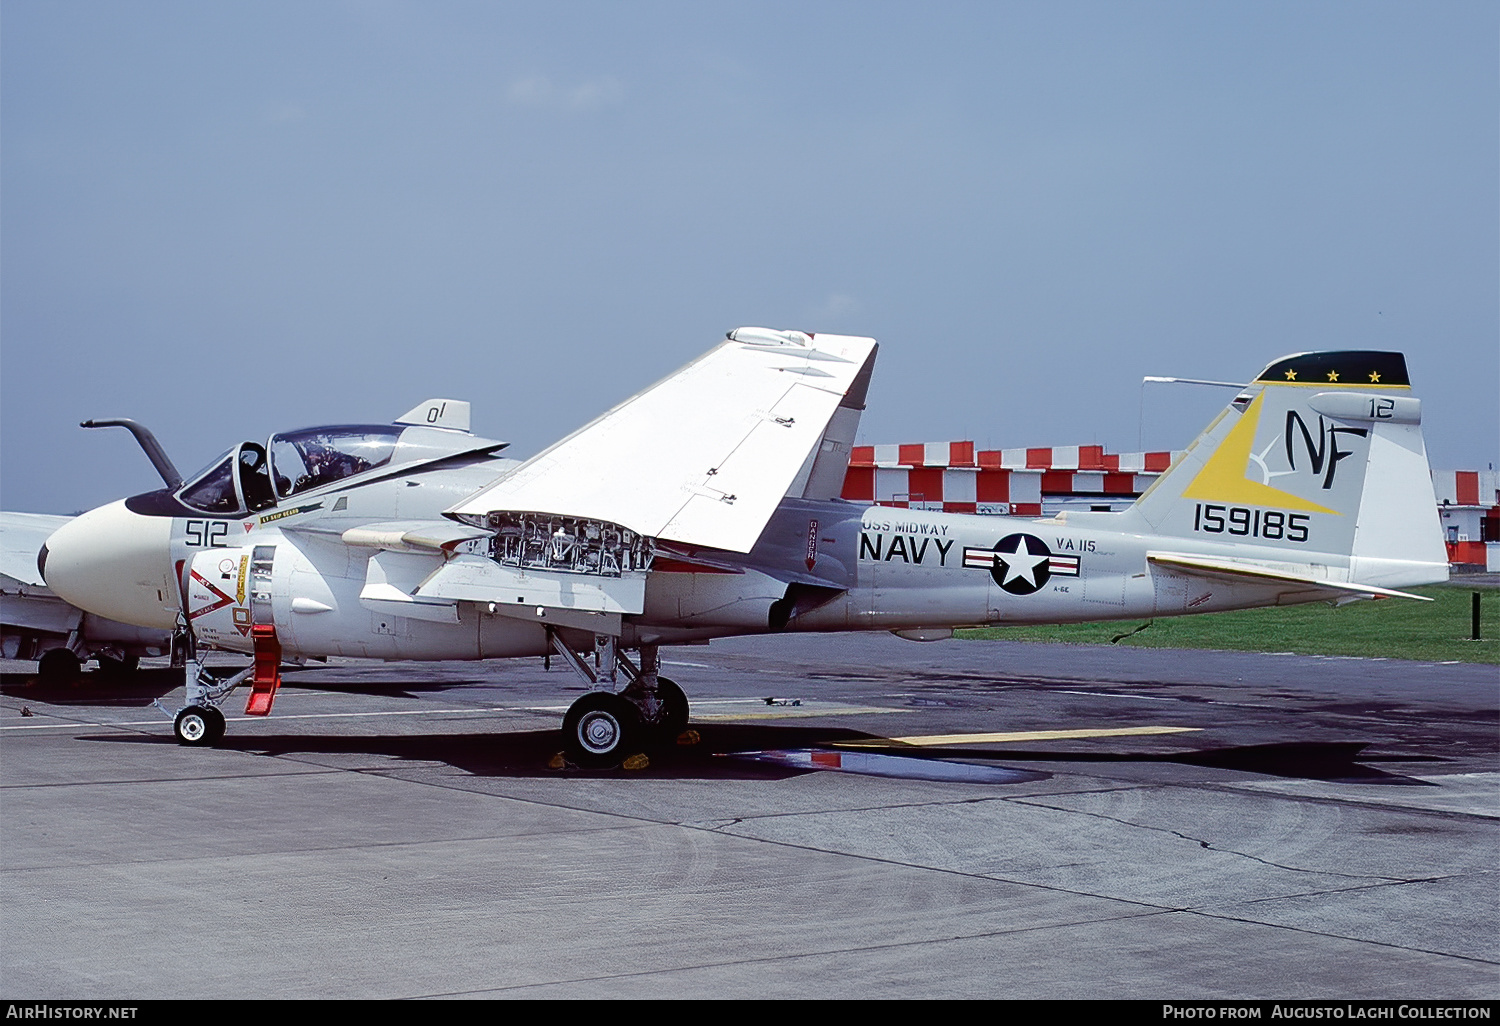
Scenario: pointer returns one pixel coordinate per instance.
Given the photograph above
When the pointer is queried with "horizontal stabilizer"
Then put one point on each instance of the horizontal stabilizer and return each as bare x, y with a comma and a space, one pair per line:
704, 455
1243, 570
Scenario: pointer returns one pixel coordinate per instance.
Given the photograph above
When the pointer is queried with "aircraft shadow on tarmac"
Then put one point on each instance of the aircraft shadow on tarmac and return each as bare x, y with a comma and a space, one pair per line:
533, 753
96, 687
775, 752
147, 685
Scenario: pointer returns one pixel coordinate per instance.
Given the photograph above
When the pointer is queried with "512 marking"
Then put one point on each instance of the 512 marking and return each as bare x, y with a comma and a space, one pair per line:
207, 534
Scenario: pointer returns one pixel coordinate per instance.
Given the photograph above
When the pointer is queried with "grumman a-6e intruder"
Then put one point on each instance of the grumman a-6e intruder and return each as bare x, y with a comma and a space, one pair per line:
707, 506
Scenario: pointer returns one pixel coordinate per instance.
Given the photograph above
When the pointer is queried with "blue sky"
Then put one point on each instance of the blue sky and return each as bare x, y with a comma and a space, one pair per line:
230, 219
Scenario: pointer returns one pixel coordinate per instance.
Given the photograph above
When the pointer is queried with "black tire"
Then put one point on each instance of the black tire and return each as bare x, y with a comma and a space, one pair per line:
109, 667
217, 724
195, 726
675, 714
601, 729
59, 666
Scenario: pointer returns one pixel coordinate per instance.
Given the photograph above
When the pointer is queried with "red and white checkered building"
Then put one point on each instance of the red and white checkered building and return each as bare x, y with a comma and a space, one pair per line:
954, 477
957, 478
1469, 507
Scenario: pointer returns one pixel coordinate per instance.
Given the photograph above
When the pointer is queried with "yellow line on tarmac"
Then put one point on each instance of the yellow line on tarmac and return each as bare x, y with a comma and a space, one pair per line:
1023, 735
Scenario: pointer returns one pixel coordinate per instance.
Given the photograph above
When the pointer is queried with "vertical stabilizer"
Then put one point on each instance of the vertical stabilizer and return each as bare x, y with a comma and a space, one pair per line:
1319, 460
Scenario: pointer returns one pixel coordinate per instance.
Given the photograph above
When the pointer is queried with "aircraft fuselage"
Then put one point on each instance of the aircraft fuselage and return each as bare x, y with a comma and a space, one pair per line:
883, 568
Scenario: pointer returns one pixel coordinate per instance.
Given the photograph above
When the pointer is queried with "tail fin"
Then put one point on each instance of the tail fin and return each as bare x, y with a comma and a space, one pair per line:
1318, 462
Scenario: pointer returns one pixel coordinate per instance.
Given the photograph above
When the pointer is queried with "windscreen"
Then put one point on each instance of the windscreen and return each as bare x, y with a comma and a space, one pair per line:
213, 490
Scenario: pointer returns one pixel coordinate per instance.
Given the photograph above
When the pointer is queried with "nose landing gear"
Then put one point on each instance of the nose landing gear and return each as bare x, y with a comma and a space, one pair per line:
200, 723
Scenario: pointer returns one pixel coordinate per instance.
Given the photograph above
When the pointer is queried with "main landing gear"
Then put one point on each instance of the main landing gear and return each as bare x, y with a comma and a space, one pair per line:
605, 726
58, 666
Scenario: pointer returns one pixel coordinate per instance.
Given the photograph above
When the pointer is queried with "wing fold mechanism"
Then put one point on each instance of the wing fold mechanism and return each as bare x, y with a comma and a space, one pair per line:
562, 570
703, 456
428, 587
1255, 571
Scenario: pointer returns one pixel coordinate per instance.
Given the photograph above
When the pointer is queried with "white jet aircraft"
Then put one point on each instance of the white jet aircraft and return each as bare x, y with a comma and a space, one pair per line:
707, 506
36, 624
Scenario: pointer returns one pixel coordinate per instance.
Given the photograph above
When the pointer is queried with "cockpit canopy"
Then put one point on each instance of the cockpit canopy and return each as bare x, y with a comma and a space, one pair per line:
317, 456
299, 461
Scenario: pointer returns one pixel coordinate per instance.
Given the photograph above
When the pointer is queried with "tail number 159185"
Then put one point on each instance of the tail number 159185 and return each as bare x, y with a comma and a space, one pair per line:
1272, 524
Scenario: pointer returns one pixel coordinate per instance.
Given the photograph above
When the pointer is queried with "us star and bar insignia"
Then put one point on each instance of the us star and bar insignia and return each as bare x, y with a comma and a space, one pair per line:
1021, 563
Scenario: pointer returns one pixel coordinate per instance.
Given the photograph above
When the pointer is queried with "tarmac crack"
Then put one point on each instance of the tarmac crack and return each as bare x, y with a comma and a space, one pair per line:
1209, 845
1344, 937
793, 956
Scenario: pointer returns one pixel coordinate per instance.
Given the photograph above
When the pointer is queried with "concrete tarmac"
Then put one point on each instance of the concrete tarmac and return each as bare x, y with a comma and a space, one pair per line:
1053, 822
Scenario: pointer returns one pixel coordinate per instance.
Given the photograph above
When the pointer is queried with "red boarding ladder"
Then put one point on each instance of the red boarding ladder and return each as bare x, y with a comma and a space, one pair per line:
267, 670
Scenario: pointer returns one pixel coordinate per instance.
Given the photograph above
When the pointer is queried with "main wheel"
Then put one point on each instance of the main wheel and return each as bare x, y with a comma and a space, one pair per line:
675, 713
198, 725
600, 729
111, 667
58, 666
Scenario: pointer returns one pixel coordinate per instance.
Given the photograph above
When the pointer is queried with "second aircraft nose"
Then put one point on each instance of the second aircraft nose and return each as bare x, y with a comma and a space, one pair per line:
114, 563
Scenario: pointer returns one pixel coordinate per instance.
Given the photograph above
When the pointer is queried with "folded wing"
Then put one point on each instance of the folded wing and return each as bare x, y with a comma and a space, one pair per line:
703, 456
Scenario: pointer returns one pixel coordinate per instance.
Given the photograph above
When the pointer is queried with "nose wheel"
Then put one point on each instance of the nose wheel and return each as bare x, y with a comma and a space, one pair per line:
199, 726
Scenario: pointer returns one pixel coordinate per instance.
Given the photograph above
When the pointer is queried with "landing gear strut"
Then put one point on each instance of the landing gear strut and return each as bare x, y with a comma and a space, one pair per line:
674, 704
605, 726
118, 668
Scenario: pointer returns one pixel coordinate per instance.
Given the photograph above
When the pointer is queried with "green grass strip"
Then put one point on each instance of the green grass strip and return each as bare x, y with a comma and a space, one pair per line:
1436, 631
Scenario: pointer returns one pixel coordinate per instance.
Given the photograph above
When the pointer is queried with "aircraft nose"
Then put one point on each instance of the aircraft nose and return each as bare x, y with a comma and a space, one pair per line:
114, 563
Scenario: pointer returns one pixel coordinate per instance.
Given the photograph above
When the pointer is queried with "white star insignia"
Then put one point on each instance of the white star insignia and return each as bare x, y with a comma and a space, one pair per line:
1021, 562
